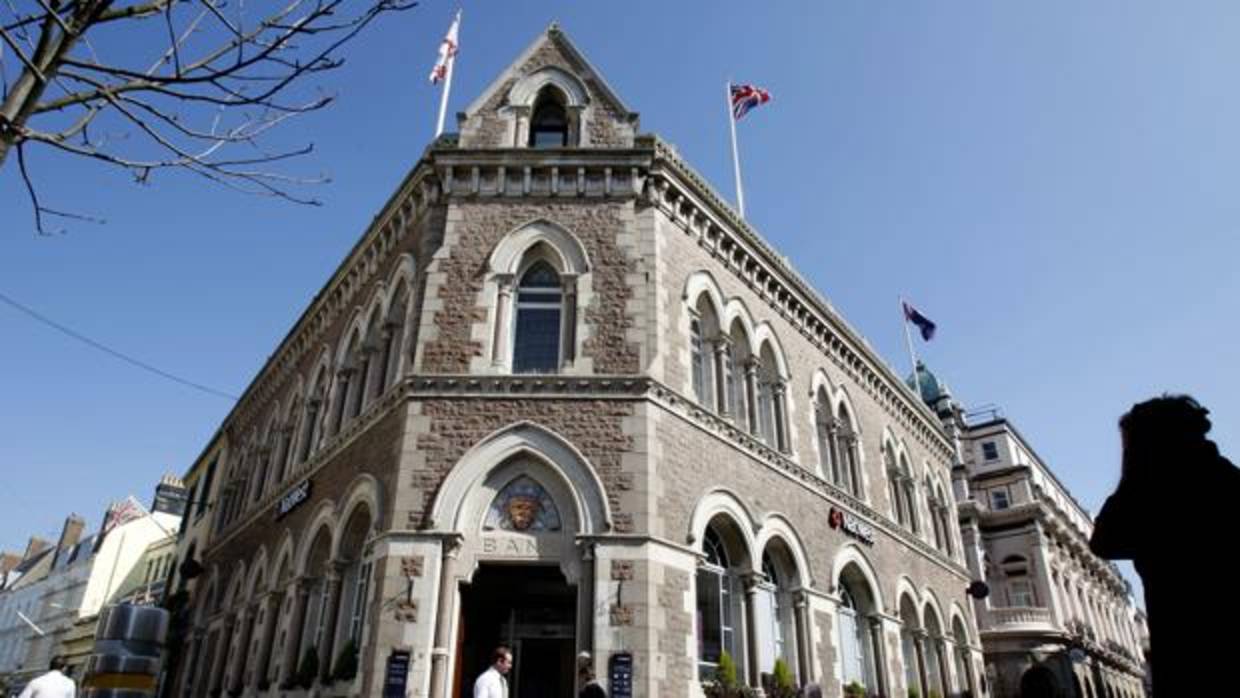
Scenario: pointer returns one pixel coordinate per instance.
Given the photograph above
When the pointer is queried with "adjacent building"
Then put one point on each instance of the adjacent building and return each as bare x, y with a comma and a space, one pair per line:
1058, 621
561, 396
61, 589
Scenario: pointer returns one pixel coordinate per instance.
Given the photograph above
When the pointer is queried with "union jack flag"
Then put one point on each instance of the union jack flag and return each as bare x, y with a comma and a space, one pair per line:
746, 97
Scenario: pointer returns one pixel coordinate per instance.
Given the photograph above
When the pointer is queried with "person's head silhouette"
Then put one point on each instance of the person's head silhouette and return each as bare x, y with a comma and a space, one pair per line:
1158, 429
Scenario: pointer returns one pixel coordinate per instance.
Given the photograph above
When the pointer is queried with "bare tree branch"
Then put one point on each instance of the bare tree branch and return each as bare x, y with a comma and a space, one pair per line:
229, 80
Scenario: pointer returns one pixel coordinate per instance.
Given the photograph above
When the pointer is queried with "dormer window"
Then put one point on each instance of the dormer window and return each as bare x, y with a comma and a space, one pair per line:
549, 121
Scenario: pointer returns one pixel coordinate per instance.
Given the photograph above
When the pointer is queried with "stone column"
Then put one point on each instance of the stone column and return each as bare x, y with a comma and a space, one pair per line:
752, 588
751, 393
301, 600
585, 600
267, 633
779, 395
805, 651
193, 660
919, 650
723, 369
346, 381
444, 618
314, 408
238, 681
878, 643
1042, 574
366, 360
503, 305
223, 653
331, 612
568, 321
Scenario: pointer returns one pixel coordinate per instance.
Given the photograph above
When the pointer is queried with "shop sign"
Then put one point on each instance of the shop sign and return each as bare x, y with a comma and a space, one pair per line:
852, 525
293, 499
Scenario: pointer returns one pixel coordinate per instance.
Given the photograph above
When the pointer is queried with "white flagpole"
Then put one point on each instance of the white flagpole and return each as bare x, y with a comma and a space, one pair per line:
447, 81
736, 158
908, 338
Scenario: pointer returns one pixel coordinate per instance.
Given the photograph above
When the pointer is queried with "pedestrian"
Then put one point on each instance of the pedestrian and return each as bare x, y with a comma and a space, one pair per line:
53, 684
590, 686
1174, 515
492, 682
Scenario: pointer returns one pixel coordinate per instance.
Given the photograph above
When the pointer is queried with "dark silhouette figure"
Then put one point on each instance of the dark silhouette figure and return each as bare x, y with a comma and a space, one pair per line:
1174, 514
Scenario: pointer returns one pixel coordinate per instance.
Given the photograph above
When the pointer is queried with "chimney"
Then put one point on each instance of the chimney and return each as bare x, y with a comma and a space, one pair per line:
8, 562
35, 546
170, 496
70, 534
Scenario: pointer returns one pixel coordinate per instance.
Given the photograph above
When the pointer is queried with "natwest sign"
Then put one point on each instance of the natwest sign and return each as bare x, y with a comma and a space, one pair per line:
851, 525
293, 499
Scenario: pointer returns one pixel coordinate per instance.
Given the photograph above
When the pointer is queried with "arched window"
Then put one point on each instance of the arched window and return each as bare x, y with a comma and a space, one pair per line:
718, 605
1019, 588
936, 521
936, 669
772, 406
369, 367
311, 419
858, 632
964, 663
945, 517
825, 429
355, 577
848, 445
700, 362
704, 339
908, 487
549, 121
347, 382
539, 323
740, 401
910, 627
776, 632
895, 483
393, 331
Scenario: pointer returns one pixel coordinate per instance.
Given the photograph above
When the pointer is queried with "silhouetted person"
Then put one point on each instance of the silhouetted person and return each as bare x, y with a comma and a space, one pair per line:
1174, 514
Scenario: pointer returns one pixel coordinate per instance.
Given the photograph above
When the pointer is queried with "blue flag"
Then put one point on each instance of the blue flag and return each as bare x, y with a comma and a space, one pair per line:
923, 323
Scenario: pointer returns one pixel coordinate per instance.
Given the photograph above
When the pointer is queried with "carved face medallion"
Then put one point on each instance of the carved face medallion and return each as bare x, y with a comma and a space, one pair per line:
522, 510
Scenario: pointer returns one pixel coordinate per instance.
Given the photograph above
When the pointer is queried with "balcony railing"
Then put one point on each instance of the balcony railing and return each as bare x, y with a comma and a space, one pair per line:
1020, 618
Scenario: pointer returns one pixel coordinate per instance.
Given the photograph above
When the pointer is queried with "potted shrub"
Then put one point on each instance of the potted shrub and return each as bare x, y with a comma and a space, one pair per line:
854, 689
346, 662
308, 671
725, 684
780, 683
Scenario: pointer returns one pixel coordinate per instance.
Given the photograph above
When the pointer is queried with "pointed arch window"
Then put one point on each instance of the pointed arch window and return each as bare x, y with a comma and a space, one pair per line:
549, 121
537, 336
701, 364
825, 430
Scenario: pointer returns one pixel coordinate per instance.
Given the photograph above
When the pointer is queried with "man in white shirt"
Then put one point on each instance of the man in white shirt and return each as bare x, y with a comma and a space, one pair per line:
492, 684
53, 684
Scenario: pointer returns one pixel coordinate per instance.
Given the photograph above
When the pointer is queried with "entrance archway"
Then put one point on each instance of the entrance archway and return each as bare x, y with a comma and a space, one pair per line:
532, 609
1039, 682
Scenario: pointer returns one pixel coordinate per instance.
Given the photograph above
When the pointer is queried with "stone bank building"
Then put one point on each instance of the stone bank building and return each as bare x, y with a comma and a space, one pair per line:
560, 396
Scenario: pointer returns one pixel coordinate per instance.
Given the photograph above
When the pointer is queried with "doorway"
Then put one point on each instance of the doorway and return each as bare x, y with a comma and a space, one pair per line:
533, 610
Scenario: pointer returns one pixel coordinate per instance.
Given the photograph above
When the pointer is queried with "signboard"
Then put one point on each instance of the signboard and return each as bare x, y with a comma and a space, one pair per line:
396, 675
293, 499
851, 525
620, 671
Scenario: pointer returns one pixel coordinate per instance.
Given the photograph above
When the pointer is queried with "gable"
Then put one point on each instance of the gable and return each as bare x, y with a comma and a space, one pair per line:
499, 117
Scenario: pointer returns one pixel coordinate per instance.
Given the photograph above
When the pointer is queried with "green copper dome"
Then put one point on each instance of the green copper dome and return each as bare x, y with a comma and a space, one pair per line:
931, 389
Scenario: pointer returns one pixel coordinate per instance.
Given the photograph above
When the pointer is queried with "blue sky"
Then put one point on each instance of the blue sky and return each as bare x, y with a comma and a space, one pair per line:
1052, 183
